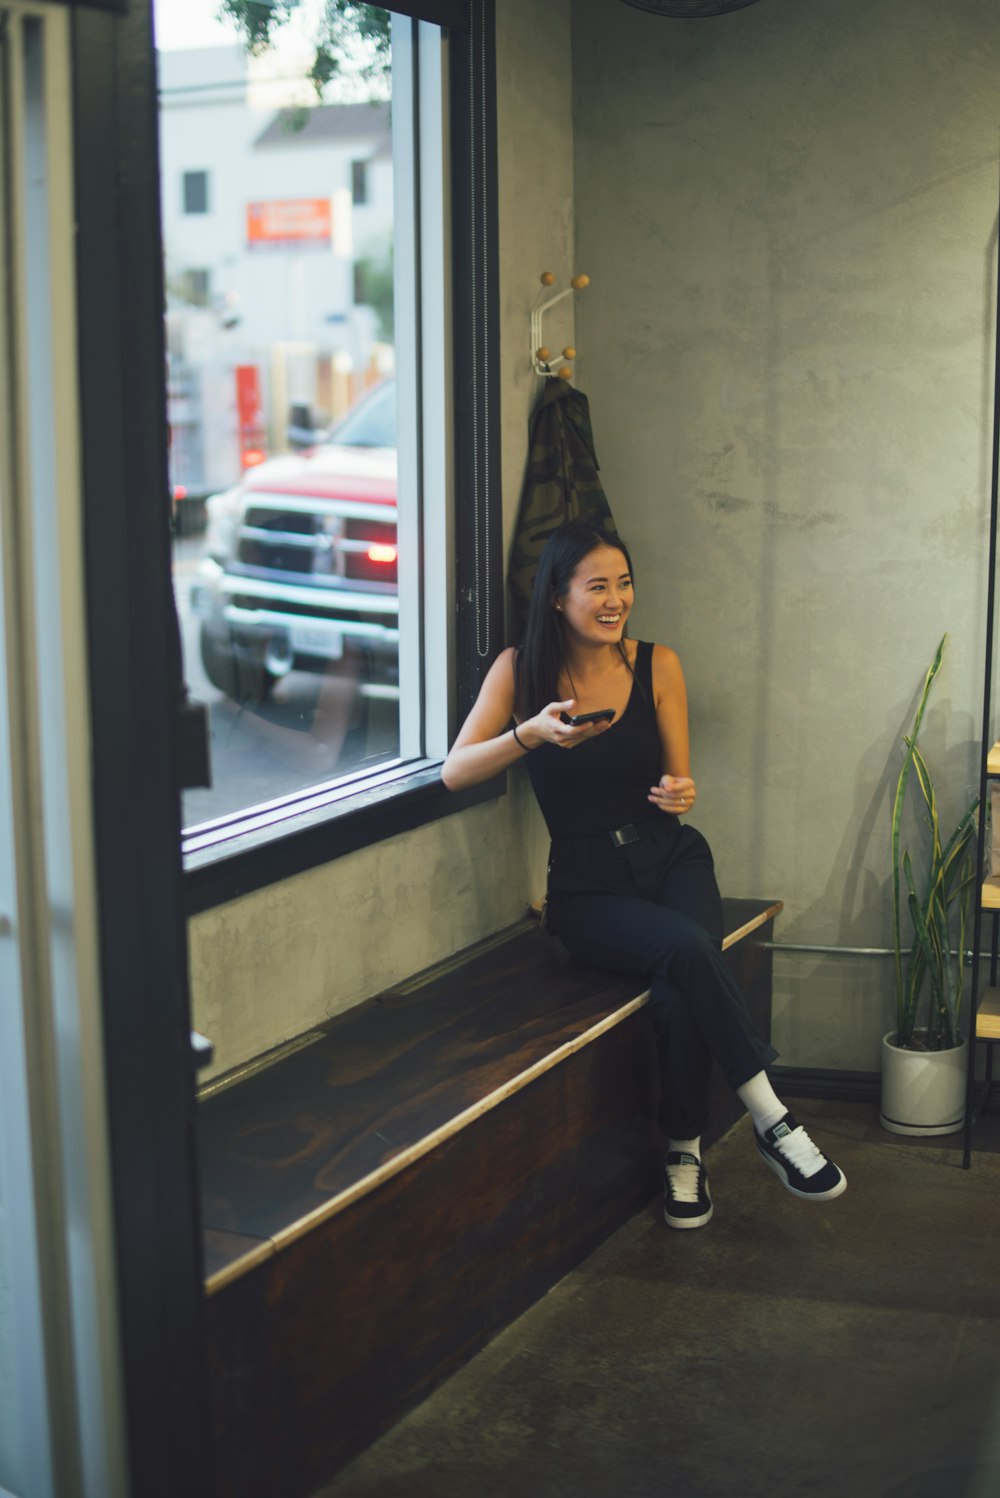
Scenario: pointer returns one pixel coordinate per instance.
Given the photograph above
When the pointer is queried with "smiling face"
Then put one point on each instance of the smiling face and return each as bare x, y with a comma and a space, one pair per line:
599, 598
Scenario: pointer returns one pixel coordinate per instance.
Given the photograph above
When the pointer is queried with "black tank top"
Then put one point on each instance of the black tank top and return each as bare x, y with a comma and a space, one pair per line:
604, 783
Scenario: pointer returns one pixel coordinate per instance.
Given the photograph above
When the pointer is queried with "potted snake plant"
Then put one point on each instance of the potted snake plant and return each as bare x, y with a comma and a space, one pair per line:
924, 1058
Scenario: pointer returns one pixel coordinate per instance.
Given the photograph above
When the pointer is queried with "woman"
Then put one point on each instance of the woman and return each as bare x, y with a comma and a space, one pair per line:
631, 887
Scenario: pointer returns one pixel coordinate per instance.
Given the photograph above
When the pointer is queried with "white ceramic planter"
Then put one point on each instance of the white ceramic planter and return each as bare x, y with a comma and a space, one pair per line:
923, 1092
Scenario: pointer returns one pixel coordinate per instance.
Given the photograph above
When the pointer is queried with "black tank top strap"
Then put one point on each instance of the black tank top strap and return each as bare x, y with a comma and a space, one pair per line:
643, 670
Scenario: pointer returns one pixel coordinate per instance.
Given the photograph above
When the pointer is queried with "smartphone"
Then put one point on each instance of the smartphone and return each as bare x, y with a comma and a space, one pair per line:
603, 715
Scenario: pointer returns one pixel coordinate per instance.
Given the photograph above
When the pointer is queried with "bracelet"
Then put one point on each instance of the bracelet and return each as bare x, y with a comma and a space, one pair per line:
525, 747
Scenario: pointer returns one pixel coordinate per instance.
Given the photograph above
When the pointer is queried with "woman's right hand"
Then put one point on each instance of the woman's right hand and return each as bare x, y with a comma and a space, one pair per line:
547, 727
485, 745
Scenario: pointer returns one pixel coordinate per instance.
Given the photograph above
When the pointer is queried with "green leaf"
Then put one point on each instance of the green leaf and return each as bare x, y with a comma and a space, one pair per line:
897, 816
935, 957
337, 28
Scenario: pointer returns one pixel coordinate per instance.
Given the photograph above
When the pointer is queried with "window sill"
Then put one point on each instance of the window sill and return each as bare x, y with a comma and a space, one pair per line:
244, 853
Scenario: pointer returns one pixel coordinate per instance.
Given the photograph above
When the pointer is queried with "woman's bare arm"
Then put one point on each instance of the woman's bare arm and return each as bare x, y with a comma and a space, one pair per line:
485, 745
482, 748
675, 791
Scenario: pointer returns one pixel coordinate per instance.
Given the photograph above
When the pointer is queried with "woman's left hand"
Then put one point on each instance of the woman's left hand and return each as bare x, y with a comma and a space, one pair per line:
675, 793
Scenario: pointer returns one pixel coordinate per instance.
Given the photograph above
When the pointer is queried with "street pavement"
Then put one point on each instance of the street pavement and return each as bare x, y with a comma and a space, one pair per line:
303, 735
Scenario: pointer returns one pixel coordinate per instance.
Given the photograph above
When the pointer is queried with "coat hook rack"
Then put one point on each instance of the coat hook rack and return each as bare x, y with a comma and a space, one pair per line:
543, 361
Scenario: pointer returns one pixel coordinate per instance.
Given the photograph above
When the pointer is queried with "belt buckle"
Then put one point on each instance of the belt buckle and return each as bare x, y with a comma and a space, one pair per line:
624, 835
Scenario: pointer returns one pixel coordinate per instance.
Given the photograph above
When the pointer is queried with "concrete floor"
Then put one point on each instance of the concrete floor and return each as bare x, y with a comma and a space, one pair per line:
847, 1350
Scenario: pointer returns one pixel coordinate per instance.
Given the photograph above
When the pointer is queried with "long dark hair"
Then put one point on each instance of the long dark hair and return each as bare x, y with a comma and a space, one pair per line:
542, 653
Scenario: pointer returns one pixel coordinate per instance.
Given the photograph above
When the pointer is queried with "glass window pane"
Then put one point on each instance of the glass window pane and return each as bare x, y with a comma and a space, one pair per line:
195, 192
281, 403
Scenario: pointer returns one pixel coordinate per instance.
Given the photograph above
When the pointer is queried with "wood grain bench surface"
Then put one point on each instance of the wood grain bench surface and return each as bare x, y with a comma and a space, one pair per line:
295, 1143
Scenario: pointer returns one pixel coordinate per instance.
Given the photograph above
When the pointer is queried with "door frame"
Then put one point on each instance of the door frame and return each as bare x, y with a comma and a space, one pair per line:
135, 692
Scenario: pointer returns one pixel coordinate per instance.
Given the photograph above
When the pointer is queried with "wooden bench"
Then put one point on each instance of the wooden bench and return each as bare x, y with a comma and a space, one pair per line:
380, 1203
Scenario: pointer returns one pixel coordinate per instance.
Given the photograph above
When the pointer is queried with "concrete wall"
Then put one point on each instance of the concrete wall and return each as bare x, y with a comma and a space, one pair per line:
270, 966
789, 218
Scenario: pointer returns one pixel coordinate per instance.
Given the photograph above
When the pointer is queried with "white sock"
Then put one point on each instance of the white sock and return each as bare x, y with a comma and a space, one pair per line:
761, 1102
685, 1147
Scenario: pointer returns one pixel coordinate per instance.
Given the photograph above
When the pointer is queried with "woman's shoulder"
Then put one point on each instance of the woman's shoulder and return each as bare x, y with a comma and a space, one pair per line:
495, 701
665, 669
504, 667
501, 678
661, 657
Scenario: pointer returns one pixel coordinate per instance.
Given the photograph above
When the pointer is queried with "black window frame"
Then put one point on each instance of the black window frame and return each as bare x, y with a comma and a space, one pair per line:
359, 183
394, 799
188, 181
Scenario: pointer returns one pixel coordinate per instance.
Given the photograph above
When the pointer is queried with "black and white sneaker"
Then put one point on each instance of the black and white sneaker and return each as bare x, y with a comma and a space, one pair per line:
797, 1162
686, 1199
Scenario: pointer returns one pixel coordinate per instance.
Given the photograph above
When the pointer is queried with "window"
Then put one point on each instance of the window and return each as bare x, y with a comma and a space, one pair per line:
312, 432
195, 186
196, 287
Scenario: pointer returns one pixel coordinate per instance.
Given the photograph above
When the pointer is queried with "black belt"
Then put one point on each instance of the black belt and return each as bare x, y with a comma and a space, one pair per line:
620, 837
630, 833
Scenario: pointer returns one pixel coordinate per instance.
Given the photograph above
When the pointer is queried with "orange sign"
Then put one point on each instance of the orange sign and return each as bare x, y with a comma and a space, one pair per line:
289, 221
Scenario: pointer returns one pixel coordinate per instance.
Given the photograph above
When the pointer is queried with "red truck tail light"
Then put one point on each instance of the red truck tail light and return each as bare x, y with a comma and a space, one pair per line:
370, 551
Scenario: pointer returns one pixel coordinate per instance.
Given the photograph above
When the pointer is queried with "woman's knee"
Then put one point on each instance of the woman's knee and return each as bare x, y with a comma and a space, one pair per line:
684, 943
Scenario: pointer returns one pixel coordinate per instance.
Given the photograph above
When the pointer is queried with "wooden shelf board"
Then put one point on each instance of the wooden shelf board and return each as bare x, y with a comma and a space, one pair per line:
993, 760
991, 892
988, 1018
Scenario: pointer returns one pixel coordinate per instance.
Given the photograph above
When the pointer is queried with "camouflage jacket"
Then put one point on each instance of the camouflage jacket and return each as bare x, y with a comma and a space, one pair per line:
560, 484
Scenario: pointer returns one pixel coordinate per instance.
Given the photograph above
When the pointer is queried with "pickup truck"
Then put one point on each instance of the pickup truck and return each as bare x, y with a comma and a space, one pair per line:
301, 565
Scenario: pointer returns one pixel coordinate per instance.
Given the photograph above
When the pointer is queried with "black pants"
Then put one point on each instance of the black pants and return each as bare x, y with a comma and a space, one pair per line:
653, 908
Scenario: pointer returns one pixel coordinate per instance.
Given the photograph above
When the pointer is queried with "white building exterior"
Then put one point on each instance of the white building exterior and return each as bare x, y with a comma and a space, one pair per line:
245, 182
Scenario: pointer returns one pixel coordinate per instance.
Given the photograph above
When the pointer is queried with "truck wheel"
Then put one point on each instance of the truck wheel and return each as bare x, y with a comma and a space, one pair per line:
233, 669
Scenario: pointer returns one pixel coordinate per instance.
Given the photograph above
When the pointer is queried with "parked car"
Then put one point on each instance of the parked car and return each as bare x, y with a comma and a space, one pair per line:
302, 562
